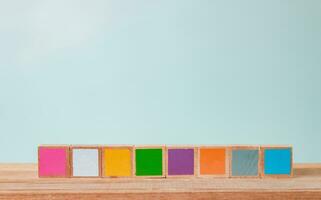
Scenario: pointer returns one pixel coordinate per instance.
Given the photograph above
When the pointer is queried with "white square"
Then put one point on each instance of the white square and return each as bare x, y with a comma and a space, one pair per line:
85, 162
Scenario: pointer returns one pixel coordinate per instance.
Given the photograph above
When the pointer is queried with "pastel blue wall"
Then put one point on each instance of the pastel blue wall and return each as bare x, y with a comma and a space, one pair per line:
168, 71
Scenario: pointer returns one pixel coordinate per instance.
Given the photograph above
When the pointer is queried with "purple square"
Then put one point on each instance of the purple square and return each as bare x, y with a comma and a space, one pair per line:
180, 161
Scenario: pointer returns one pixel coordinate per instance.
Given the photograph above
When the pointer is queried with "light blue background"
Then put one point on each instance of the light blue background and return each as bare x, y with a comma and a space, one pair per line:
160, 71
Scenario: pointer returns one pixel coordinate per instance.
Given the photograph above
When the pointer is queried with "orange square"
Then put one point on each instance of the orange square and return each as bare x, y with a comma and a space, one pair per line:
212, 161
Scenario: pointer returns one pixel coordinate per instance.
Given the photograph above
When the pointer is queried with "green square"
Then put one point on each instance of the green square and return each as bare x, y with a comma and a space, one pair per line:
149, 162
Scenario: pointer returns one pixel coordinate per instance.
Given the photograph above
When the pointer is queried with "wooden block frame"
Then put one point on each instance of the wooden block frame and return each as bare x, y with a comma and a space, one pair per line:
195, 161
130, 148
85, 147
68, 167
227, 162
245, 147
150, 147
263, 148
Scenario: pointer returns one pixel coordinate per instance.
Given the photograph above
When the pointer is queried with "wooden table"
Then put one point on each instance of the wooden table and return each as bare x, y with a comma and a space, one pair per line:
20, 181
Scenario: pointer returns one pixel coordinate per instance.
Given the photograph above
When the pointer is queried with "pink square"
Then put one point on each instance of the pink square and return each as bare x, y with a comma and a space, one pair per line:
53, 162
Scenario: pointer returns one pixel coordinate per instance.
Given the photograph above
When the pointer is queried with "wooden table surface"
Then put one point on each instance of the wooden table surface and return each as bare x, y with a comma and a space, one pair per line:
20, 181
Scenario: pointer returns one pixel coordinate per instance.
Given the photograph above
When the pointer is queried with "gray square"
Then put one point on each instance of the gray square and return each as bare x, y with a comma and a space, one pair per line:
245, 162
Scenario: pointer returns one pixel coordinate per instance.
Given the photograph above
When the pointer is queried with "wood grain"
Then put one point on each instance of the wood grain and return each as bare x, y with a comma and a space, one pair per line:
20, 181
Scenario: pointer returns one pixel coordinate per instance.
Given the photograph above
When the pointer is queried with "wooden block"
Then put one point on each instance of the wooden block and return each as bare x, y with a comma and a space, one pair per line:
245, 161
53, 161
181, 161
149, 161
277, 161
213, 161
85, 161
117, 161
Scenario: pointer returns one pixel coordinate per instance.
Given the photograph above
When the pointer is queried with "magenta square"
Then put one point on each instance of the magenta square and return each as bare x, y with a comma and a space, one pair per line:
180, 161
53, 162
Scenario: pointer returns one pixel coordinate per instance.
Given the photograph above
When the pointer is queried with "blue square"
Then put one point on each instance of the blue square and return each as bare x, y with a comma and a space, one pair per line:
277, 161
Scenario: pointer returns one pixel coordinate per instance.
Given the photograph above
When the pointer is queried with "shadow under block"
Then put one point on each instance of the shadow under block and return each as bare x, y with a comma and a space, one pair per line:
149, 162
181, 161
85, 161
117, 161
245, 162
53, 161
213, 161
276, 161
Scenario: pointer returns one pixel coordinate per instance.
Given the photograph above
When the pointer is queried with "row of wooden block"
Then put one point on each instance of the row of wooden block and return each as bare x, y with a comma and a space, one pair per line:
164, 161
